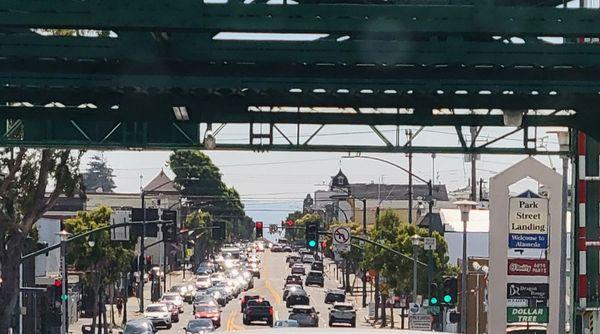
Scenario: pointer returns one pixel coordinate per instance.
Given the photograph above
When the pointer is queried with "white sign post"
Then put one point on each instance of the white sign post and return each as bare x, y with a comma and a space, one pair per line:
525, 221
341, 239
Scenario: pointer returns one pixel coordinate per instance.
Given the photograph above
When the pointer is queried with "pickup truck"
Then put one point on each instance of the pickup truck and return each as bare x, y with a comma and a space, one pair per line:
258, 310
246, 299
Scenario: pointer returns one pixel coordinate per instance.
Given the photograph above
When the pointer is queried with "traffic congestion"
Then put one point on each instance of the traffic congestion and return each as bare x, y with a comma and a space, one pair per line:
251, 284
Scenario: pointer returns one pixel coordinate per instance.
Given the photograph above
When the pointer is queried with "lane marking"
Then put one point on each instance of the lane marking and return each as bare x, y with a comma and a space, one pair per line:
274, 294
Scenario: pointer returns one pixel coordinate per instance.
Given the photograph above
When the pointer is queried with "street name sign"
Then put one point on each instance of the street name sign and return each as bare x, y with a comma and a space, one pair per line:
528, 221
528, 267
429, 243
527, 290
420, 322
537, 315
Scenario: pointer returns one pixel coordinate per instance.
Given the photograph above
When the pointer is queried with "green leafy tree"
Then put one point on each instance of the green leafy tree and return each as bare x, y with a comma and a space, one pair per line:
294, 234
105, 261
99, 176
24, 198
200, 239
201, 185
398, 270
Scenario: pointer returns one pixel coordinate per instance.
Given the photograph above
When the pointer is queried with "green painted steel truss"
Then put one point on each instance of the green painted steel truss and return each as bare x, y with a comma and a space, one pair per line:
124, 69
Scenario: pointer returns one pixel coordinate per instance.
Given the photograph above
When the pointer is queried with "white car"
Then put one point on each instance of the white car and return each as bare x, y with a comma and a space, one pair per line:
342, 313
159, 315
174, 298
203, 282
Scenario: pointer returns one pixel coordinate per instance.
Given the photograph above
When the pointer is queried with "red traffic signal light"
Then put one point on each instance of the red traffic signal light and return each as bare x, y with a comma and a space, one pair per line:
290, 222
259, 224
57, 282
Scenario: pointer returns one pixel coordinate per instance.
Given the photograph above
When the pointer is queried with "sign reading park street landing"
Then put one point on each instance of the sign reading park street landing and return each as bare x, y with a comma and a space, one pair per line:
528, 221
528, 315
528, 267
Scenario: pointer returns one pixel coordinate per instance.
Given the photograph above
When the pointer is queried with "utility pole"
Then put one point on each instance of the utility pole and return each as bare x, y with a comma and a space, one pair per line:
364, 275
473, 130
410, 175
142, 252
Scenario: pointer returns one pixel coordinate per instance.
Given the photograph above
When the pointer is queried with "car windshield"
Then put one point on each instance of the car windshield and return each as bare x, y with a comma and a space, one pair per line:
171, 297
344, 307
157, 308
338, 297
199, 324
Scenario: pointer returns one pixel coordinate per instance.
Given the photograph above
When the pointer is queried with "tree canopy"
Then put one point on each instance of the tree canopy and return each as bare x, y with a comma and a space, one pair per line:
106, 259
24, 198
200, 183
397, 270
99, 176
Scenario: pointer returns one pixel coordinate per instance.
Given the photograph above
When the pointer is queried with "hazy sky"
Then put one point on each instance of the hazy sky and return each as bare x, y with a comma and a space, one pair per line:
273, 184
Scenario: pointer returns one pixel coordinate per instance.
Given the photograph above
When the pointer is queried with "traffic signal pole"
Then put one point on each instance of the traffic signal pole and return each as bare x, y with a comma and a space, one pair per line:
64, 320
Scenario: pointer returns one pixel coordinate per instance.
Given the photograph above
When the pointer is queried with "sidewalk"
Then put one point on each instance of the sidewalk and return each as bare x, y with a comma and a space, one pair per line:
133, 305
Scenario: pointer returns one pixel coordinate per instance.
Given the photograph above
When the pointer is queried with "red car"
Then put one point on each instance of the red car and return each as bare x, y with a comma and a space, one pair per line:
209, 312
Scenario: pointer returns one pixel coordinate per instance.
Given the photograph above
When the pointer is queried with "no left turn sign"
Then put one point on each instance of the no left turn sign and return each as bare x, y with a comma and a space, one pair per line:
341, 235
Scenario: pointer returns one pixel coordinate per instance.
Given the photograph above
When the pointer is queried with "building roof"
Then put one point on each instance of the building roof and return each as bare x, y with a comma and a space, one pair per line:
396, 191
161, 184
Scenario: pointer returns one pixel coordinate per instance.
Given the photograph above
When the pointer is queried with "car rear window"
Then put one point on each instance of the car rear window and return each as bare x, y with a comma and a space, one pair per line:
259, 303
302, 311
344, 307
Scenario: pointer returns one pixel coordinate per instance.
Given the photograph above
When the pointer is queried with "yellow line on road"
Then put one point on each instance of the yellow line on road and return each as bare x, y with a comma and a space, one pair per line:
268, 285
229, 322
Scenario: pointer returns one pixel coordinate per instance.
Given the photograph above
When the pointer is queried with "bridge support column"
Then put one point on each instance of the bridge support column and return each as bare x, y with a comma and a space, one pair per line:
585, 239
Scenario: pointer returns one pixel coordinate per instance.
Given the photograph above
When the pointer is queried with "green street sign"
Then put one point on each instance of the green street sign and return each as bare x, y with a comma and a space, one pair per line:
525, 314
433, 309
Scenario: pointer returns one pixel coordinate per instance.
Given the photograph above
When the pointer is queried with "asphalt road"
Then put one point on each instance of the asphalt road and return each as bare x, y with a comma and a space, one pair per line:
269, 286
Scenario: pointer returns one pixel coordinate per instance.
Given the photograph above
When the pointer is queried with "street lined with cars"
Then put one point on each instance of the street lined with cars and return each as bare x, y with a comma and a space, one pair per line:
226, 296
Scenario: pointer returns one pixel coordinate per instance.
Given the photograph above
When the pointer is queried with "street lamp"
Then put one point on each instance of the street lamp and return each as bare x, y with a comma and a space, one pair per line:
465, 207
564, 143
64, 324
416, 241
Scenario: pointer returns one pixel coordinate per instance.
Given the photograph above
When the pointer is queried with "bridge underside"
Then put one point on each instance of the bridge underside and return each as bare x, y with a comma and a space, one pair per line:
158, 74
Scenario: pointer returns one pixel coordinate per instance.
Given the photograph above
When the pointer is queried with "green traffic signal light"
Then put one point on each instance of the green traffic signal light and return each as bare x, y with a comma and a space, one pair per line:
433, 301
447, 299
312, 243
64, 297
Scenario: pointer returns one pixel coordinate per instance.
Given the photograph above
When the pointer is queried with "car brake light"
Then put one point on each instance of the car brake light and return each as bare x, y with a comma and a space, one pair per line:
271, 310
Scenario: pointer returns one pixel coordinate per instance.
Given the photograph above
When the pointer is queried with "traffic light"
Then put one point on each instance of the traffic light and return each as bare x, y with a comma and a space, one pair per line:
312, 235
450, 291
289, 223
434, 297
57, 297
170, 225
259, 230
169, 232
